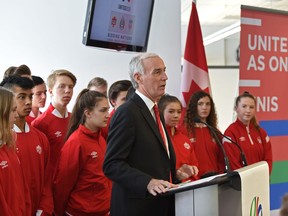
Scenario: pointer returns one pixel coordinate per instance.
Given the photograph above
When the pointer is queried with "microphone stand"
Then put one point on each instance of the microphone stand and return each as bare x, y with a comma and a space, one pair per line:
243, 157
226, 160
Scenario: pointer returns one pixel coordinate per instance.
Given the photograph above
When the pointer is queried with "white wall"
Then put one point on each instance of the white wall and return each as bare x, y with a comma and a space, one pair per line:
47, 35
224, 85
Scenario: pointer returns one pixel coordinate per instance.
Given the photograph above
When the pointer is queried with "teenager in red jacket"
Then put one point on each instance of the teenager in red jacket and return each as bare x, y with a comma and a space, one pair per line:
80, 186
248, 134
39, 98
206, 148
14, 195
32, 148
117, 96
170, 107
54, 121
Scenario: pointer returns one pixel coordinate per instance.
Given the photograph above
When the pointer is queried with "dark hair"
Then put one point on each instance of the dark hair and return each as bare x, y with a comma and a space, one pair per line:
19, 71
22, 82
9, 71
246, 94
22, 70
130, 93
85, 100
191, 111
117, 87
165, 100
37, 80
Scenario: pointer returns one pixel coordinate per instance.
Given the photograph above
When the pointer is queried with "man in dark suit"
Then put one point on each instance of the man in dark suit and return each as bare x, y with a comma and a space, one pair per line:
138, 160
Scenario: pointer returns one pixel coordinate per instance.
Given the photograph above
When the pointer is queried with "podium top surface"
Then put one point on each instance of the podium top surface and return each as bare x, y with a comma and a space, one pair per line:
231, 177
212, 180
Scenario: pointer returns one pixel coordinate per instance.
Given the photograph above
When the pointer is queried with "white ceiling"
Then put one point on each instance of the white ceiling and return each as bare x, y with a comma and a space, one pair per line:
217, 14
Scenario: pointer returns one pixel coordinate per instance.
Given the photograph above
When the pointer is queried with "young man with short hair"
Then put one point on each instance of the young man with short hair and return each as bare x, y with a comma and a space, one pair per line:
39, 98
117, 96
54, 121
98, 84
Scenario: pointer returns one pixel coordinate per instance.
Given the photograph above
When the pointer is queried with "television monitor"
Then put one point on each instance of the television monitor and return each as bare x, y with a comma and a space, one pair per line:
121, 25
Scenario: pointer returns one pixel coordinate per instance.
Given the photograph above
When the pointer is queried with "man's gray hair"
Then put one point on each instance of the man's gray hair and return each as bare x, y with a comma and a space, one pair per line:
136, 66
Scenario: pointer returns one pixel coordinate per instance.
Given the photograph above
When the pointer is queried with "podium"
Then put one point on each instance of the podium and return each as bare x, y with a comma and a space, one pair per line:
239, 193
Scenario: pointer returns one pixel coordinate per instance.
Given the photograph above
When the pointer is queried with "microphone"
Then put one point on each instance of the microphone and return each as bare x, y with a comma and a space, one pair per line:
243, 157
226, 160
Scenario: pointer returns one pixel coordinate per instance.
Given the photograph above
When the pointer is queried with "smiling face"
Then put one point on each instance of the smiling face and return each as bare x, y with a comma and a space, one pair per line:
153, 82
172, 114
62, 91
246, 110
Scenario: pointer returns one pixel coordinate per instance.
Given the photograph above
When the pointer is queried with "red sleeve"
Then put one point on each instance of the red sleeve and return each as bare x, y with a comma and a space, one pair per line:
42, 122
4, 207
46, 203
66, 175
193, 157
194, 161
14, 193
38, 124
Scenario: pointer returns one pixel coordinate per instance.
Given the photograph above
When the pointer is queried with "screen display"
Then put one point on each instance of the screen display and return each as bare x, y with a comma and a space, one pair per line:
118, 24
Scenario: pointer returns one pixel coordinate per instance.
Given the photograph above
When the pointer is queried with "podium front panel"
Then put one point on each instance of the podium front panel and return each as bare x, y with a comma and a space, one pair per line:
200, 202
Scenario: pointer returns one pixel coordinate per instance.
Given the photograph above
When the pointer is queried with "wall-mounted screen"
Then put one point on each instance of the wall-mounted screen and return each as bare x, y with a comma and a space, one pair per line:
122, 25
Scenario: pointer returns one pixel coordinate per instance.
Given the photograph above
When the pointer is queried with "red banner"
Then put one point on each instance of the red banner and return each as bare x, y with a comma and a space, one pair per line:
264, 73
264, 61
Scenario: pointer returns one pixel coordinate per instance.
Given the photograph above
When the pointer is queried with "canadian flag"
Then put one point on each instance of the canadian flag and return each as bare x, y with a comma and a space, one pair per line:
194, 76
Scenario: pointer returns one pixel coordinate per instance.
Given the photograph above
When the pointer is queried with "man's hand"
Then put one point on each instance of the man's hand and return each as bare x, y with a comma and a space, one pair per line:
186, 171
157, 186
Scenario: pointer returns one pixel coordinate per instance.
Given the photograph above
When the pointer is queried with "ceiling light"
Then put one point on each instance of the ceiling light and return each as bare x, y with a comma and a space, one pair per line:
221, 34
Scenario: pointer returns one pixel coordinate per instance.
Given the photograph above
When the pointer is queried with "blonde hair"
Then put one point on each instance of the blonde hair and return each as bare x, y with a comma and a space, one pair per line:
6, 106
52, 77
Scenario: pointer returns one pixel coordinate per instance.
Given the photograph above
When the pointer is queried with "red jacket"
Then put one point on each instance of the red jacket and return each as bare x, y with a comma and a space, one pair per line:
55, 128
80, 186
255, 143
207, 150
14, 194
184, 150
33, 152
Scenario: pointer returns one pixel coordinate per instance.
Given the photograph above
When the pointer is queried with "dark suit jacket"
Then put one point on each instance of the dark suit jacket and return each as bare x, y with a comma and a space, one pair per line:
136, 154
